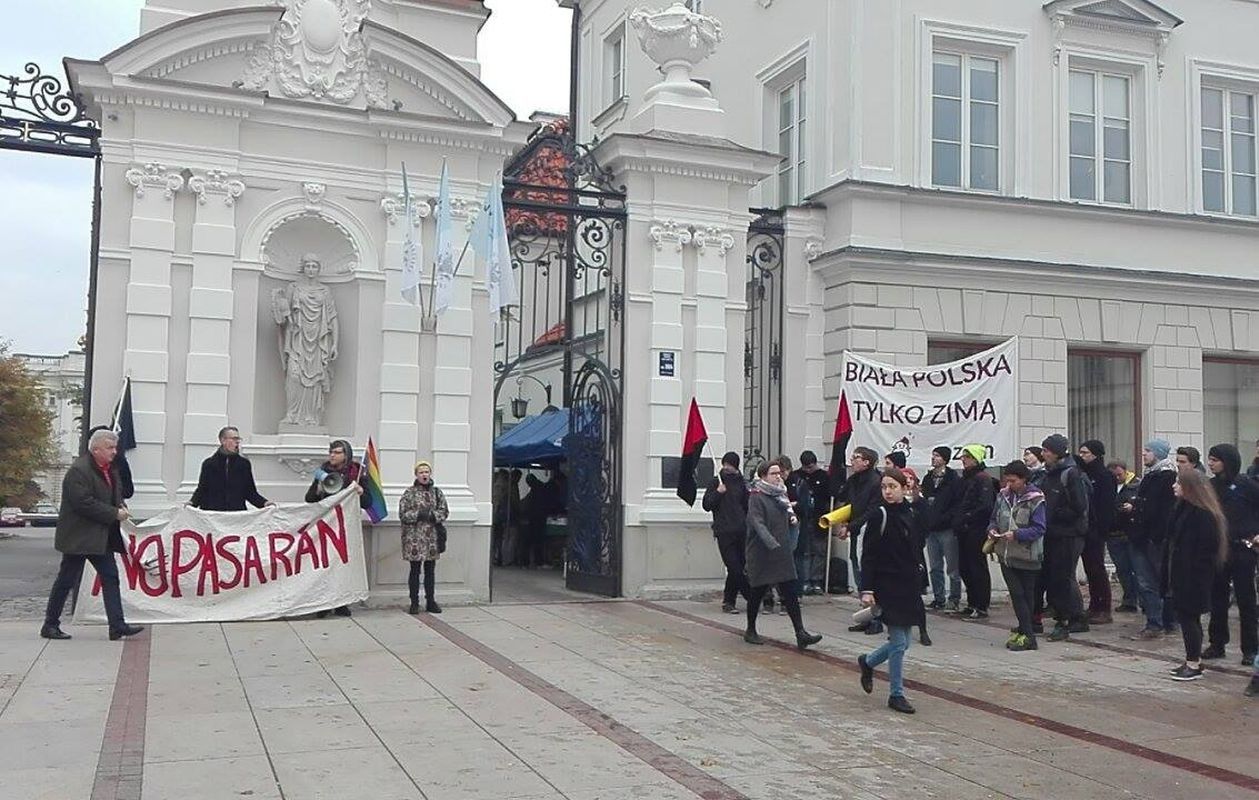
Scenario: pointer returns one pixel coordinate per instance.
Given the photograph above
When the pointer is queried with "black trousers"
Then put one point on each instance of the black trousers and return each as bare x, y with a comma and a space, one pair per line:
68, 577
973, 565
732, 555
1191, 632
1062, 553
1022, 586
1239, 575
430, 580
786, 593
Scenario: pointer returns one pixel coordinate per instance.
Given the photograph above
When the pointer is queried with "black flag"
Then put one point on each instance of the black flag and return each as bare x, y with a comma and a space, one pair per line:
123, 423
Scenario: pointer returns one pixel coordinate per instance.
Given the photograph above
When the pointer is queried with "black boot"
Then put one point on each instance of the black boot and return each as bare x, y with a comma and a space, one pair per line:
431, 606
53, 632
342, 611
414, 608
125, 630
804, 639
923, 638
752, 637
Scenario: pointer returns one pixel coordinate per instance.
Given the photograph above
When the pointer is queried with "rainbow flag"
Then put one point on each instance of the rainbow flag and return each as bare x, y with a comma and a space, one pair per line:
372, 487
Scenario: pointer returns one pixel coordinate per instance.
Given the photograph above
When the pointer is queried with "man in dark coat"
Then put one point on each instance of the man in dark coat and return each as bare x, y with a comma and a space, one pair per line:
227, 478
939, 492
726, 498
1117, 542
1067, 495
87, 530
1152, 514
1239, 497
1101, 519
977, 494
341, 461
813, 497
861, 491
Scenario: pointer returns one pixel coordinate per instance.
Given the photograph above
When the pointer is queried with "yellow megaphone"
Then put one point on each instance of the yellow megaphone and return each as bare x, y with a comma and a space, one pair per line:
837, 517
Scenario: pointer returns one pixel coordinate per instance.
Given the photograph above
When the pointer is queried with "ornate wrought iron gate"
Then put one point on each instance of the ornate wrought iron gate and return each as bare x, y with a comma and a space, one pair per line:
38, 116
566, 224
763, 334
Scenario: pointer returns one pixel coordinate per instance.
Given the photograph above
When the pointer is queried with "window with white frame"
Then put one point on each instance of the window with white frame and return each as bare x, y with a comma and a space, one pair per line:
791, 123
1228, 151
1100, 137
965, 121
614, 66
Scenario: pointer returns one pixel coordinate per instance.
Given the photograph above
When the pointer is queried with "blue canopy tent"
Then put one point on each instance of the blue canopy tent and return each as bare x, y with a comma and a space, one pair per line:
538, 439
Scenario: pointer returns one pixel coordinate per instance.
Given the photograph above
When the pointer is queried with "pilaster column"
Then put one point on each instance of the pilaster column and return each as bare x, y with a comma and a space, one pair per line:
715, 341
805, 411
148, 315
667, 240
210, 311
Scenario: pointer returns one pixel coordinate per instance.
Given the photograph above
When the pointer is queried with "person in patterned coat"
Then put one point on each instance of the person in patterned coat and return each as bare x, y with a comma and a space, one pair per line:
423, 512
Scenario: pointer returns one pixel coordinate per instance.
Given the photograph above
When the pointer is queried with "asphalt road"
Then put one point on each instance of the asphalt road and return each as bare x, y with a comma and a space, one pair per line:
28, 563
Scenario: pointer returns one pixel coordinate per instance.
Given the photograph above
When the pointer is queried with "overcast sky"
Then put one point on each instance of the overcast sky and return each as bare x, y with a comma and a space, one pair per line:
45, 201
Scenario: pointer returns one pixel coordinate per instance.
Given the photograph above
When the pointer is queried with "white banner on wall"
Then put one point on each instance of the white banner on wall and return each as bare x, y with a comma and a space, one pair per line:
189, 565
914, 409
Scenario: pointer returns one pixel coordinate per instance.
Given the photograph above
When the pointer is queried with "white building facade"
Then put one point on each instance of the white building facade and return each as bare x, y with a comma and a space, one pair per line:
1080, 173
61, 378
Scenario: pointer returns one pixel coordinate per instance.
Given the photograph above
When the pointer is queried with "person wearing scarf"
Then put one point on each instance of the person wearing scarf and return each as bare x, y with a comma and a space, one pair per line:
769, 560
340, 460
1152, 510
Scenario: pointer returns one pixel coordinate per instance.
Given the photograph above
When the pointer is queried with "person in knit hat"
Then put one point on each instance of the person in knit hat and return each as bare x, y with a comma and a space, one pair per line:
1152, 509
977, 495
1067, 492
940, 496
1092, 455
896, 458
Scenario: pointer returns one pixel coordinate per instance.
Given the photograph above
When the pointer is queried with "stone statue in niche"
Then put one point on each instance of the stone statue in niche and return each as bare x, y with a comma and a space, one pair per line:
309, 338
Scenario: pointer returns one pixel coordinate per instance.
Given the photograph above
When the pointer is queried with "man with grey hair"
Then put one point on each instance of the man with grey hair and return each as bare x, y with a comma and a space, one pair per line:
87, 530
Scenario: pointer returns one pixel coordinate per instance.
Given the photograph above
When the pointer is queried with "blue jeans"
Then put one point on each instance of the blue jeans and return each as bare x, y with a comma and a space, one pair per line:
1146, 576
942, 552
893, 652
1121, 555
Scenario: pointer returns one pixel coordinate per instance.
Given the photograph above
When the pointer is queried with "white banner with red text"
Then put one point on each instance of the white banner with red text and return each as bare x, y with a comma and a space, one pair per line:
189, 565
973, 400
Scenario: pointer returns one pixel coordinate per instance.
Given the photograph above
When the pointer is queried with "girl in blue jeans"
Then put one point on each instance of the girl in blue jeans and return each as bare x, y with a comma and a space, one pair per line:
891, 576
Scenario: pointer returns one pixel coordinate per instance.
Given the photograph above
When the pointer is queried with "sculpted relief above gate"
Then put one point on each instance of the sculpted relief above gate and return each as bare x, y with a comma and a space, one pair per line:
317, 50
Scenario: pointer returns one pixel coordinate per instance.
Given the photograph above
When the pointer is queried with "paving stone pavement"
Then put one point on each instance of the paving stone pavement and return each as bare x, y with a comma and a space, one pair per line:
606, 701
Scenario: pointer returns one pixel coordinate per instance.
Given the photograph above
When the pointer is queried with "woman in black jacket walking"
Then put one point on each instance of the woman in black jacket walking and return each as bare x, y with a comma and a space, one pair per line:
769, 560
891, 579
1197, 547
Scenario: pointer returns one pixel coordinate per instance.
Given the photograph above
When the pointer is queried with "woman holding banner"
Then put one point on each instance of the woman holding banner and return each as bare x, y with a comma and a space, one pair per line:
423, 512
340, 462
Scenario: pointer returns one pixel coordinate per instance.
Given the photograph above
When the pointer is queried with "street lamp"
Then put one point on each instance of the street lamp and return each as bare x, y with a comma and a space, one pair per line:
519, 404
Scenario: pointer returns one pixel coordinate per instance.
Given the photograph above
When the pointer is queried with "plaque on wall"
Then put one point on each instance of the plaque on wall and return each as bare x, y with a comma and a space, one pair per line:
670, 467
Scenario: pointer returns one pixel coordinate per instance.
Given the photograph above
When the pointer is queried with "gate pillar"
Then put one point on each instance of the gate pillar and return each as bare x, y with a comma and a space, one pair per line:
687, 195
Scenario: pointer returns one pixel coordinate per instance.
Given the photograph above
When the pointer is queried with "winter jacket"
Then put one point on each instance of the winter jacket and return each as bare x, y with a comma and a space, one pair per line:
1102, 501
1025, 515
768, 558
812, 495
1066, 491
315, 492
729, 510
862, 491
891, 562
977, 493
1125, 495
1155, 500
1190, 559
87, 522
226, 482
940, 492
1239, 495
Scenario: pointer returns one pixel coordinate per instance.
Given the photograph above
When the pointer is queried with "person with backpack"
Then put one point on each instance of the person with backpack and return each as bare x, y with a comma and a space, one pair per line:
891, 574
726, 498
1017, 529
1092, 455
977, 493
1067, 492
1239, 498
1196, 548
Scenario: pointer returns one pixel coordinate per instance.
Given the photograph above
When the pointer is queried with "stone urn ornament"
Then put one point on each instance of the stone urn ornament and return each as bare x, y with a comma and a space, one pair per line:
677, 39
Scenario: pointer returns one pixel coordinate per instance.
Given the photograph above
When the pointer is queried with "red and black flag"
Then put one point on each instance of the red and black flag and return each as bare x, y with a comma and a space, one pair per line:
692, 449
839, 447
